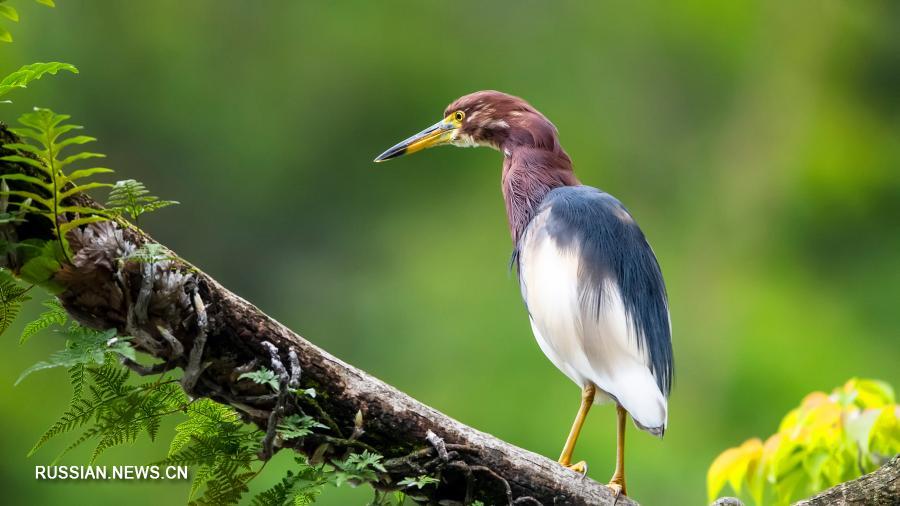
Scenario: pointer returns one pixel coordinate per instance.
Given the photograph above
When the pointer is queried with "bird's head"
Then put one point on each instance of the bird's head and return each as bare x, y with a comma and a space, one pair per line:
484, 118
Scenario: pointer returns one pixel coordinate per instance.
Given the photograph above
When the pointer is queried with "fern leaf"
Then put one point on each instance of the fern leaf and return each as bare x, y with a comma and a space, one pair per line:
54, 315
83, 173
83, 346
149, 253
46, 132
12, 295
28, 73
201, 476
69, 225
83, 188
132, 197
23, 159
76, 157
262, 376
79, 412
76, 378
298, 426
26, 178
78, 139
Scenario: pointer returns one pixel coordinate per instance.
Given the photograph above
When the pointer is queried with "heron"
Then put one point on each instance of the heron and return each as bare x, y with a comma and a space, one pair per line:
591, 283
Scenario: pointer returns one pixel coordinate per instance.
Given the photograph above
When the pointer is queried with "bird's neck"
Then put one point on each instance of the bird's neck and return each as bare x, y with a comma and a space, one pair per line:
529, 173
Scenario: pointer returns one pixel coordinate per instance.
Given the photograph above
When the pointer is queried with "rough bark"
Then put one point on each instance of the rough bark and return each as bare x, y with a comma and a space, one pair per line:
184, 318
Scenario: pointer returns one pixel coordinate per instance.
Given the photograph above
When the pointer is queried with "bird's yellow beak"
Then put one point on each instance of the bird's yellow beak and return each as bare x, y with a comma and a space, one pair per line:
438, 134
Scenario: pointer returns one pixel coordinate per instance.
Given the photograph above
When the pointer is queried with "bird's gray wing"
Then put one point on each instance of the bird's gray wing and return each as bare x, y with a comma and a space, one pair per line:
597, 298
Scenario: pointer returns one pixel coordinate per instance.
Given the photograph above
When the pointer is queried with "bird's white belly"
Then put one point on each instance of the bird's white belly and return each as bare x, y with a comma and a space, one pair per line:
551, 297
585, 346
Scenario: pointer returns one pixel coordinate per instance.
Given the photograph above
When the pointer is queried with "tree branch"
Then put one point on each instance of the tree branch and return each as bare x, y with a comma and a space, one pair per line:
183, 317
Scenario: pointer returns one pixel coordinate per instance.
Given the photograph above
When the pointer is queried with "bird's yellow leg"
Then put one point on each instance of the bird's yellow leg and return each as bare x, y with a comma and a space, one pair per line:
587, 399
617, 482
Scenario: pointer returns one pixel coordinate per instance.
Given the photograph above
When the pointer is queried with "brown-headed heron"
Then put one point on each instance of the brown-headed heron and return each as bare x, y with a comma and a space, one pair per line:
591, 283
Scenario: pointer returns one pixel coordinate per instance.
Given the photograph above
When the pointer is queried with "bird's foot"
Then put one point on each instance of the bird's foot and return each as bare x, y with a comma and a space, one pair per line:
579, 467
617, 485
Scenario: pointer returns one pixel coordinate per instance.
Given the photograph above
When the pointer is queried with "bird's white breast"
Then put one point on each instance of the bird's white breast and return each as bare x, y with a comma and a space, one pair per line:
599, 347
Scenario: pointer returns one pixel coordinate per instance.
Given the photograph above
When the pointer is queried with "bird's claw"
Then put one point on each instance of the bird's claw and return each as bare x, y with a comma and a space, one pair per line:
579, 467
618, 488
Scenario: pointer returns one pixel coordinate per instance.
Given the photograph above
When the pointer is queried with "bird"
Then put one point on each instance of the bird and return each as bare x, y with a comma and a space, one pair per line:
592, 286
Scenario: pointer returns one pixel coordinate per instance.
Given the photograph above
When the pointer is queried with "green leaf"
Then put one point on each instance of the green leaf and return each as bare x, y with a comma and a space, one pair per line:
78, 139
149, 253
24, 159
69, 225
48, 3
19, 146
9, 13
76, 157
5, 36
419, 482
81, 189
12, 295
262, 376
28, 73
82, 173
215, 439
83, 346
132, 197
28, 179
54, 315
45, 128
39, 269
298, 426
358, 467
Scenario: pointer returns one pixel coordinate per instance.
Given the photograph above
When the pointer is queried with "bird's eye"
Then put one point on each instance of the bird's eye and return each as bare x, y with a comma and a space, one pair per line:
459, 115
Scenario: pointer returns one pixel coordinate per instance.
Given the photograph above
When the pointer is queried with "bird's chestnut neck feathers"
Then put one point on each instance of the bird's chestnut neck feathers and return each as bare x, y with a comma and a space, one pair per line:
528, 175
533, 160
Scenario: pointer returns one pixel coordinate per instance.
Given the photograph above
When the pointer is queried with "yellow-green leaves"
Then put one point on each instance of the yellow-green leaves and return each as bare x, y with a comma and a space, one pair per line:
733, 466
827, 440
32, 72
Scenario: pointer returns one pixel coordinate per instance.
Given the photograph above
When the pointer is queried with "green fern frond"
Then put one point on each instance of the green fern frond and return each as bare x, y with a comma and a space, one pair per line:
109, 380
298, 426
262, 376
214, 438
54, 315
358, 467
419, 482
32, 72
114, 412
51, 189
76, 378
79, 412
132, 197
12, 295
149, 253
225, 487
298, 487
83, 346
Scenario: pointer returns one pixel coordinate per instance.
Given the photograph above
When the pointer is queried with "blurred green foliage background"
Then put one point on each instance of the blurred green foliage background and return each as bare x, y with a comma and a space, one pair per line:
757, 143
